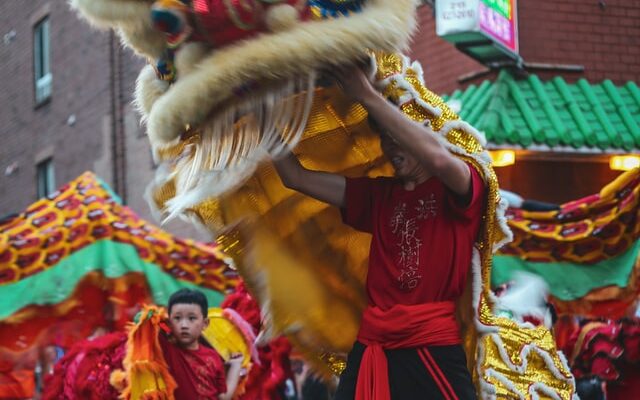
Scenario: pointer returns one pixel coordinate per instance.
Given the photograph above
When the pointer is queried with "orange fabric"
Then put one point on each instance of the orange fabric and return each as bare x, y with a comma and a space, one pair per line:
401, 326
16, 385
147, 371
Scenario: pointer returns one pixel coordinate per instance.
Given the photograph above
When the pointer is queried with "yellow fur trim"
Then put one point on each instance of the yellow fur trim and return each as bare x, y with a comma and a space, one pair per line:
148, 89
143, 39
110, 13
382, 24
131, 18
282, 17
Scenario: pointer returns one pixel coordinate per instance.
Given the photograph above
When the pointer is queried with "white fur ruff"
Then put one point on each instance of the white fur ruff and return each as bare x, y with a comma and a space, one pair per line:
237, 140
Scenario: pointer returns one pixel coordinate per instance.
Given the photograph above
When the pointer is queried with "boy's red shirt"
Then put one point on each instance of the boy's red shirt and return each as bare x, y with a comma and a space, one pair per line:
199, 373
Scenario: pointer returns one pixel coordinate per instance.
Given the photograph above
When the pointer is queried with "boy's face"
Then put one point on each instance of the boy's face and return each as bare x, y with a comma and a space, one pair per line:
187, 323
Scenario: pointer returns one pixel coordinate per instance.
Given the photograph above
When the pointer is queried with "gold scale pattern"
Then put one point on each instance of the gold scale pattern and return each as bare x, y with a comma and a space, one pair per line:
337, 139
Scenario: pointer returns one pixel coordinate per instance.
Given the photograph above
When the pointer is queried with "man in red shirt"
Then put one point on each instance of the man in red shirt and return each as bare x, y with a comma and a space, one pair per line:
424, 223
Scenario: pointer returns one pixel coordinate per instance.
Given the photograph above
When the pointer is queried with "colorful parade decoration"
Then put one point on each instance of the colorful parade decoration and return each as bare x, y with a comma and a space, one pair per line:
588, 251
78, 261
229, 104
608, 351
243, 81
130, 363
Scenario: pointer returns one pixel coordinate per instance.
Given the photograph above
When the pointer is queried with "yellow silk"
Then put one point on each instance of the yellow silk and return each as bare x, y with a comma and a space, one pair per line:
225, 337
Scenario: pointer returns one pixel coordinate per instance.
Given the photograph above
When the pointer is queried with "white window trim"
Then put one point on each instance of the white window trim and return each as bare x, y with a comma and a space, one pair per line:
48, 181
42, 60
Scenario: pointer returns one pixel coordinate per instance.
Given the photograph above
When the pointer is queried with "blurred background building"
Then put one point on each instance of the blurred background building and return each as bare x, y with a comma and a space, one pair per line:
552, 83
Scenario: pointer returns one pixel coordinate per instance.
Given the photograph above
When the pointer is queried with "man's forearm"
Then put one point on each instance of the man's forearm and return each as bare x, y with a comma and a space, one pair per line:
411, 136
326, 187
420, 141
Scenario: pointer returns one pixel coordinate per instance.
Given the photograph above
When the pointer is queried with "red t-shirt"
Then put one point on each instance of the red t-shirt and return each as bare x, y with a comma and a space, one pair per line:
422, 239
199, 373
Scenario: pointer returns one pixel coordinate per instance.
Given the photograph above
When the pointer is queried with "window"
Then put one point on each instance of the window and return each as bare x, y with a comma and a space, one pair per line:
46, 178
41, 61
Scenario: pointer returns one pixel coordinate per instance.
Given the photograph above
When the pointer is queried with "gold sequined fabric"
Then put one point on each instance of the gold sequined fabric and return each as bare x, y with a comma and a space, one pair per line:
295, 253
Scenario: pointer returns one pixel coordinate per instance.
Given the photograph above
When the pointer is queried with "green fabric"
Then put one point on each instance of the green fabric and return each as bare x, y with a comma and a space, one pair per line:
113, 259
568, 281
554, 113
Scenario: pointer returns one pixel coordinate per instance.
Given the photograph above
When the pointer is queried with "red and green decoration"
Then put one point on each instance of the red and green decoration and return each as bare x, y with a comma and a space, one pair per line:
79, 260
588, 252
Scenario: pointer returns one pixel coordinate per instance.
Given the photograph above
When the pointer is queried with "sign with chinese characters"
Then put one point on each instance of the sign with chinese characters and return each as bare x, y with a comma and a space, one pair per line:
484, 29
497, 20
456, 16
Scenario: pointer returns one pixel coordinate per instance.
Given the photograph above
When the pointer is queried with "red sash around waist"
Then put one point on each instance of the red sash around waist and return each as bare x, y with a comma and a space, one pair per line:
402, 326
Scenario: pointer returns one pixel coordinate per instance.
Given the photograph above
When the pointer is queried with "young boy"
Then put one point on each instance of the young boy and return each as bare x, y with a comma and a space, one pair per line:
196, 367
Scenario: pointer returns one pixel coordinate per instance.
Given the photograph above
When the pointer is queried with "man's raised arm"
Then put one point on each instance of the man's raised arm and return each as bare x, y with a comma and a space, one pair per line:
414, 138
323, 186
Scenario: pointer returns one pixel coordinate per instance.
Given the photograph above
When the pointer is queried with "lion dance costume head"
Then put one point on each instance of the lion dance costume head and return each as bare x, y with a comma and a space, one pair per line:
232, 84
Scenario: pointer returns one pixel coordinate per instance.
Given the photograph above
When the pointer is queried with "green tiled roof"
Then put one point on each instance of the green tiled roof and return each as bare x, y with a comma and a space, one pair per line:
554, 115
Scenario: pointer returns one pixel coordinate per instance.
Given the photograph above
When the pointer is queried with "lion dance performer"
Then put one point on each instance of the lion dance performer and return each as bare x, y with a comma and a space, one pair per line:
233, 85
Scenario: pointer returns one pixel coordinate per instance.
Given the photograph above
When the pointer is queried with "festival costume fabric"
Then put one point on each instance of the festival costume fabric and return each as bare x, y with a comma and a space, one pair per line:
421, 239
199, 374
79, 261
85, 370
143, 364
587, 251
219, 111
436, 372
588, 254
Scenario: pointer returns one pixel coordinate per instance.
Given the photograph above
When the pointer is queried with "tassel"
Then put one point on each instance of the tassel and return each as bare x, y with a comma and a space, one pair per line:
233, 143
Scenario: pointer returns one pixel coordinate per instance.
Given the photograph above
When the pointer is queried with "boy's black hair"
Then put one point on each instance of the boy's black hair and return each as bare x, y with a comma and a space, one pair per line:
189, 296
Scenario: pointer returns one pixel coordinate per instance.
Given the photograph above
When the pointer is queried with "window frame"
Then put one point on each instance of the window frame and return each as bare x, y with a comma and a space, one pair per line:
45, 178
42, 76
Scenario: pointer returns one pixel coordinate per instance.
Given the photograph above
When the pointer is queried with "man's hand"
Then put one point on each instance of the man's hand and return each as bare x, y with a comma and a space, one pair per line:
418, 140
354, 82
326, 187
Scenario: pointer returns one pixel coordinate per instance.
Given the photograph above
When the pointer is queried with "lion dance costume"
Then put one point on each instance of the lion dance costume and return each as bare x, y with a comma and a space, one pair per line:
233, 83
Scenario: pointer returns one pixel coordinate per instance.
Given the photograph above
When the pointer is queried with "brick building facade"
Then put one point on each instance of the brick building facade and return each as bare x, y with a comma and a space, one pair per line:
601, 36
72, 127
600, 39
89, 124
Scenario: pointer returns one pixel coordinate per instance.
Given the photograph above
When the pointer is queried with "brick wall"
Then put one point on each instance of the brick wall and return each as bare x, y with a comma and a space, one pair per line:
605, 40
80, 87
80, 66
442, 63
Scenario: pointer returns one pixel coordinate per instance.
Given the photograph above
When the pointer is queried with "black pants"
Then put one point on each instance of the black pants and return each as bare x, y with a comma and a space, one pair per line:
435, 372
